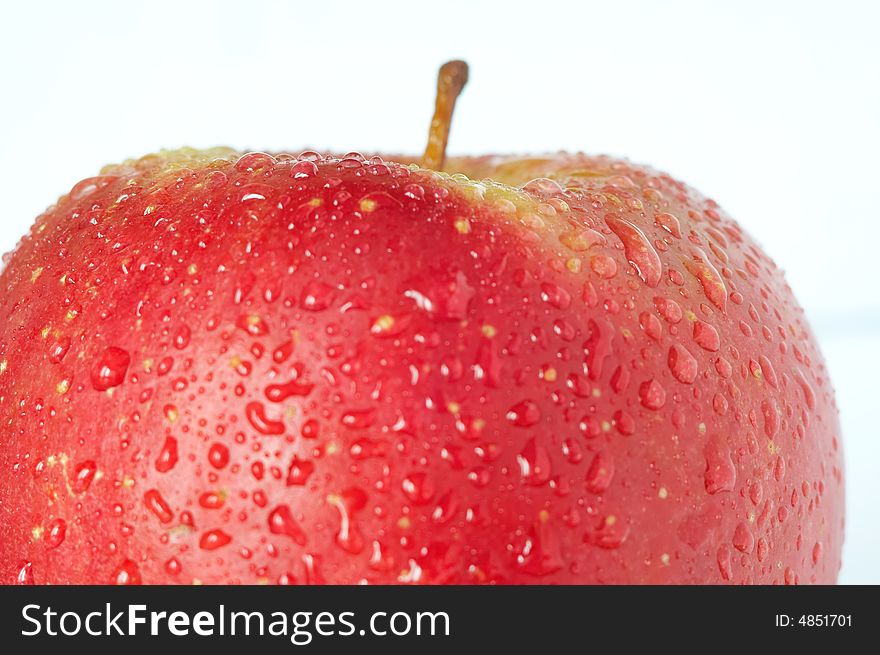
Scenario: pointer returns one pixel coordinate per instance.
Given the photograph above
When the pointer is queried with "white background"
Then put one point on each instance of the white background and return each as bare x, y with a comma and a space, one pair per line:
771, 108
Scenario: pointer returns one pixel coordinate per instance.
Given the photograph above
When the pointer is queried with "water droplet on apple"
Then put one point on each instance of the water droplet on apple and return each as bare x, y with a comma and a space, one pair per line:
638, 250
283, 352
109, 369
582, 240
349, 503
25, 575
218, 455
668, 309
620, 379
720, 472
182, 337
365, 448
281, 522
555, 295
816, 553
682, 364
214, 539
126, 574
723, 560
280, 392
706, 336
256, 416
58, 349
359, 419
156, 504
603, 266
252, 324
299, 471
651, 326
167, 456
212, 500
172, 566
312, 569
711, 281
445, 508
624, 422
55, 533
590, 427
770, 411
539, 553
601, 473
254, 161
310, 429
83, 475
414, 192
669, 223
90, 185
317, 296
743, 539
418, 488
652, 394
524, 414
768, 373
303, 169
543, 187
610, 534
534, 463
806, 389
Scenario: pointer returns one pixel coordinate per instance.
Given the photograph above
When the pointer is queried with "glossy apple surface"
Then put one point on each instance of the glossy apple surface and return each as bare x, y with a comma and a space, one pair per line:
227, 369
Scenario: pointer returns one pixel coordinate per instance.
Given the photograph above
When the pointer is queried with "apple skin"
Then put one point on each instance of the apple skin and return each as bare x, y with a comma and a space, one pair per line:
227, 369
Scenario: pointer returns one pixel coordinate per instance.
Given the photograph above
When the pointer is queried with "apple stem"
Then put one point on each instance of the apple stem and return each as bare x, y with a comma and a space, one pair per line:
451, 79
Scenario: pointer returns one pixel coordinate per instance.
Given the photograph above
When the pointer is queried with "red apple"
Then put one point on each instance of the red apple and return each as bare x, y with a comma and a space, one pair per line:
222, 368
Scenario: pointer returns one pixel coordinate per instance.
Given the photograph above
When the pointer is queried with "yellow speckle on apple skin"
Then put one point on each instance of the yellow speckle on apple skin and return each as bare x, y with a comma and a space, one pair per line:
382, 324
